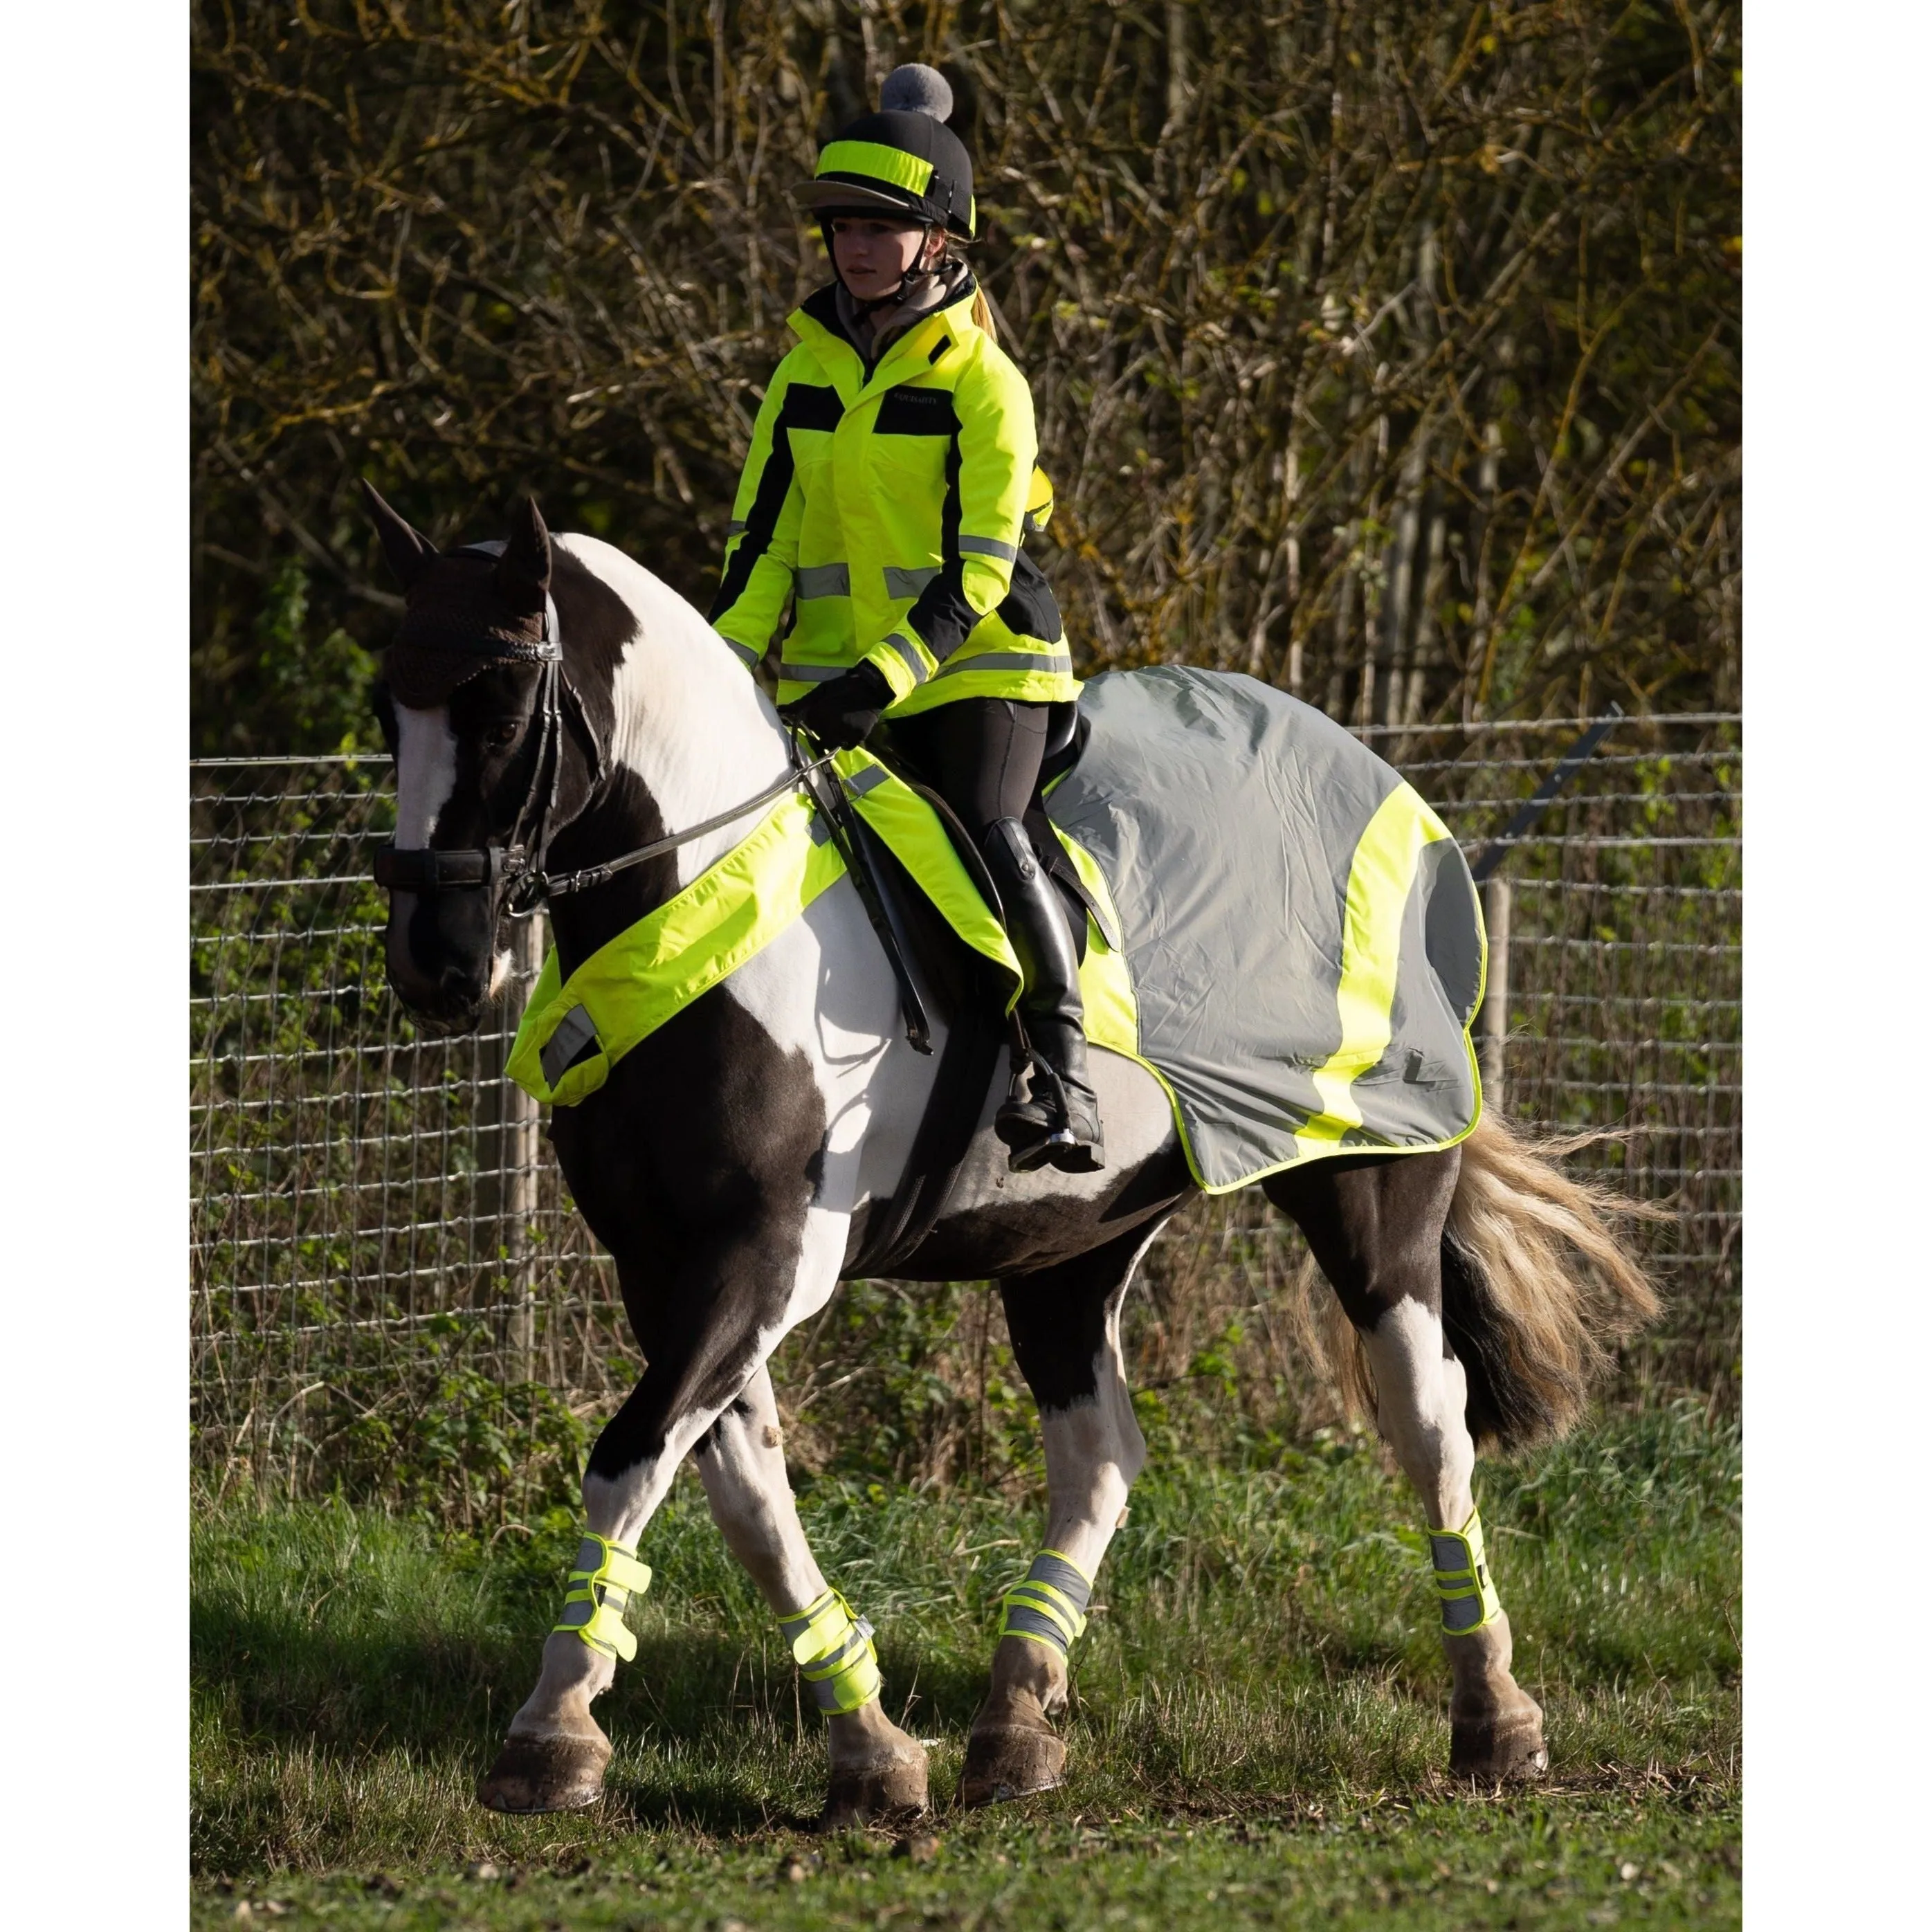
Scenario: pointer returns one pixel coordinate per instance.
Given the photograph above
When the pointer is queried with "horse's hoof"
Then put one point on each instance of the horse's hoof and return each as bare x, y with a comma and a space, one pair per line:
546, 1774
1507, 1749
876, 1793
1011, 1761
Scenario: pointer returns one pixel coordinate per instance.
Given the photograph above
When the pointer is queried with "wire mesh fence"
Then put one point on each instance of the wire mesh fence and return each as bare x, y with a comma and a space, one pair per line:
390, 1291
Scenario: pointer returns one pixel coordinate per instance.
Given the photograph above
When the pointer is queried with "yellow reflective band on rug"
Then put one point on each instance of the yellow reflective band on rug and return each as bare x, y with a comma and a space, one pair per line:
833, 1650
906, 823
1381, 875
605, 1578
1462, 1581
1106, 988
627, 989
573, 1032
1048, 1604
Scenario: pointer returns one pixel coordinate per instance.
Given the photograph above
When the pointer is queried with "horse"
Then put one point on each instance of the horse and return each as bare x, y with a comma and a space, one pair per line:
733, 1161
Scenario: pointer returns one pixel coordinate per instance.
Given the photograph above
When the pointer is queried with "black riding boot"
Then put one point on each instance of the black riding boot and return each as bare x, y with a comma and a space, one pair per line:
1059, 1119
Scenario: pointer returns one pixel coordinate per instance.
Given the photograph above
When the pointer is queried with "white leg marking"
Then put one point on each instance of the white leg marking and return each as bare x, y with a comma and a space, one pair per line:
742, 1465
1094, 1450
1421, 1395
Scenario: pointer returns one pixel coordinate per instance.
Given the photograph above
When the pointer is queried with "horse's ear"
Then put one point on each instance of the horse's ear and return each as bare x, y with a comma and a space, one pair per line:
409, 552
522, 571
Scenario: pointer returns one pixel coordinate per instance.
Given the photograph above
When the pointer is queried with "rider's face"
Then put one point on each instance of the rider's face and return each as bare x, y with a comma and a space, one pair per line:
874, 255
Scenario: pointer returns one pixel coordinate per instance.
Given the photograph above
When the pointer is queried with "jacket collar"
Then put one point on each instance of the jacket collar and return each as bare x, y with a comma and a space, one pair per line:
816, 321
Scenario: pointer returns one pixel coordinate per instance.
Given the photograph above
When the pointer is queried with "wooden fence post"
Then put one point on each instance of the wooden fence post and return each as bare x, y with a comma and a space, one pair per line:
520, 1163
1492, 1022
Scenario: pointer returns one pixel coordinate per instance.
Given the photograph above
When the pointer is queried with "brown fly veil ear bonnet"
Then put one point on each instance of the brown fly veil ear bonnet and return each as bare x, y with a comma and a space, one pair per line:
493, 608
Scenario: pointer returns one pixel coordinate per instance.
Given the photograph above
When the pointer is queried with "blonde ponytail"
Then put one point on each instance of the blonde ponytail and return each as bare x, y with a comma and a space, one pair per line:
982, 314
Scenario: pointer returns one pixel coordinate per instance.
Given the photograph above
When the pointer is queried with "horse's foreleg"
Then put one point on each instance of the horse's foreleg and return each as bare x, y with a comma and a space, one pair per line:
876, 1769
1375, 1228
706, 1327
1065, 1322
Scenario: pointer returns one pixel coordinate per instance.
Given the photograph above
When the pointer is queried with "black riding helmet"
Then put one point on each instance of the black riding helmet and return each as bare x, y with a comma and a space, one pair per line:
902, 161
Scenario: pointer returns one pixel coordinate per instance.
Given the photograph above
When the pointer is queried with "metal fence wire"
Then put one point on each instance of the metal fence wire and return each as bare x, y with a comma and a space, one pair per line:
390, 1290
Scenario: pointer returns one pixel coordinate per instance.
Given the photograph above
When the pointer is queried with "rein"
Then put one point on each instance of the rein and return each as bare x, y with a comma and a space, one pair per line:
431, 869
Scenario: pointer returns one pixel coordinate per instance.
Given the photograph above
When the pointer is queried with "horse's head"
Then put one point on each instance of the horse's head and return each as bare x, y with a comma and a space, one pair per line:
471, 703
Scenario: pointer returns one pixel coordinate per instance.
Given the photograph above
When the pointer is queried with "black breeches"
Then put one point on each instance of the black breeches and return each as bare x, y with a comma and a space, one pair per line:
983, 755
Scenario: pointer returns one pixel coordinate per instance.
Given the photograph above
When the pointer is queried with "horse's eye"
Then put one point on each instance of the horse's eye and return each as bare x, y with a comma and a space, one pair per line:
498, 736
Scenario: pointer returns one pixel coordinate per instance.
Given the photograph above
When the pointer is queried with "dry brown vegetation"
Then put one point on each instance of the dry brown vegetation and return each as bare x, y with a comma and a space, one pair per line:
1389, 353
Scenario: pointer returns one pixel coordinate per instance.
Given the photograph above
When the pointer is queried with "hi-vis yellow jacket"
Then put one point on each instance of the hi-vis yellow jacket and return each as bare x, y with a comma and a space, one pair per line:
888, 509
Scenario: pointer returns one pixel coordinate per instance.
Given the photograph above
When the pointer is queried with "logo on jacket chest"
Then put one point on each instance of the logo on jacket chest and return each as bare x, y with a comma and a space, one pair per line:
910, 412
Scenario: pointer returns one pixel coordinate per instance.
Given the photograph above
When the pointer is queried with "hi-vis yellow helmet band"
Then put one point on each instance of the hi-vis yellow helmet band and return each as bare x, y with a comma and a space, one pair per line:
604, 1578
902, 161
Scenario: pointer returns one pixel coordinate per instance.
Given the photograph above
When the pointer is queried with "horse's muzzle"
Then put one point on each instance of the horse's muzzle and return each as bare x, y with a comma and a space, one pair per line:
440, 951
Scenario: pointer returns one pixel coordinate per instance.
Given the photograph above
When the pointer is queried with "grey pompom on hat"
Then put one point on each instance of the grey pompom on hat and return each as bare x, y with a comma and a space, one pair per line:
916, 88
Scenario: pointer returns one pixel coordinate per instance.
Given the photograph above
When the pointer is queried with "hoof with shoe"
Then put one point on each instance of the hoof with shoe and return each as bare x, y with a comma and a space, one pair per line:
556, 1774
884, 1793
1011, 1761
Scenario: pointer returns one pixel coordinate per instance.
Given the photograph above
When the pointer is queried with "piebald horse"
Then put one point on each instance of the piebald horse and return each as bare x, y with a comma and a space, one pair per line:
731, 1162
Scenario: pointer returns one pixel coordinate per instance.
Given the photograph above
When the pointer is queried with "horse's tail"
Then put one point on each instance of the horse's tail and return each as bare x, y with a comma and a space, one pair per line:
1536, 1287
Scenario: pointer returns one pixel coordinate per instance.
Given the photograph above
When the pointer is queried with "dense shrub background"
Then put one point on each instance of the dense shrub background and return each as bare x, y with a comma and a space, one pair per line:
1390, 353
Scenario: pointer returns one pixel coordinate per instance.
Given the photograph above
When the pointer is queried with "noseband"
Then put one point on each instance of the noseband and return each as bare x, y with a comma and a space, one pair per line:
517, 866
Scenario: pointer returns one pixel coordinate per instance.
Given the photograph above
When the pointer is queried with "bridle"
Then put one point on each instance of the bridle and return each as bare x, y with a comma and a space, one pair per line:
516, 864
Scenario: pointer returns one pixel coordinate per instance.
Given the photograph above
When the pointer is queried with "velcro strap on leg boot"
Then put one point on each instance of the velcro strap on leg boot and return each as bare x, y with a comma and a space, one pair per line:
1048, 1604
603, 1581
1469, 1597
834, 1652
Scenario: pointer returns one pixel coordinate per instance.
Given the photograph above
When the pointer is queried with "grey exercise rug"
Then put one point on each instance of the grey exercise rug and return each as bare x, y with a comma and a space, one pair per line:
1302, 933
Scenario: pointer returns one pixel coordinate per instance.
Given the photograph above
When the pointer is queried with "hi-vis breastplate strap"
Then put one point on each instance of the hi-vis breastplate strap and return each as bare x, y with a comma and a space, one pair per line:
834, 1652
1048, 1604
573, 1032
1463, 1582
605, 1578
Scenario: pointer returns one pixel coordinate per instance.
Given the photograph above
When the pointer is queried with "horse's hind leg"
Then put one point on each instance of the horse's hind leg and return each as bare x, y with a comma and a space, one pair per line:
1375, 1227
876, 1770
1065, 1322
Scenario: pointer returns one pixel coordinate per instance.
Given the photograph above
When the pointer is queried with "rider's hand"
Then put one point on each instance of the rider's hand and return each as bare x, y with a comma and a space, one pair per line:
844, 711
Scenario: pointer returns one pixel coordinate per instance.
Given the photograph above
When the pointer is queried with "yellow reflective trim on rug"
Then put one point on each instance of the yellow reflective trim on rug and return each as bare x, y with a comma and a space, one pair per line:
1381, 875
654, 969
919, 842
1113, 1018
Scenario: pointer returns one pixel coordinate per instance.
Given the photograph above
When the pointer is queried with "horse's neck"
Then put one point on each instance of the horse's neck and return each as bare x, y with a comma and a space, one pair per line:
690, 725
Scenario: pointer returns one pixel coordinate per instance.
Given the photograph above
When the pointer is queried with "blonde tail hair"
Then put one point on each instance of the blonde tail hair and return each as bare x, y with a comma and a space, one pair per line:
982, 314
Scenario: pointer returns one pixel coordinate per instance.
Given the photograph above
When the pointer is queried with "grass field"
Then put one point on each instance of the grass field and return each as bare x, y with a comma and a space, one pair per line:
1258, 1738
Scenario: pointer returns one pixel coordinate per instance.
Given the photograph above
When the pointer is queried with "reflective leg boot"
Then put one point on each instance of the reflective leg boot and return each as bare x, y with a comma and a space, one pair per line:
1056, 1117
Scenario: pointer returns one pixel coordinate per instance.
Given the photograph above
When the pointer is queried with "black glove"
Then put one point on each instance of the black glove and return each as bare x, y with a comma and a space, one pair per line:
844, 711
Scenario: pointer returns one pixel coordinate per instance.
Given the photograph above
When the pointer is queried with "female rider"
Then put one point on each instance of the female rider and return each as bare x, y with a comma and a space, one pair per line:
885, 496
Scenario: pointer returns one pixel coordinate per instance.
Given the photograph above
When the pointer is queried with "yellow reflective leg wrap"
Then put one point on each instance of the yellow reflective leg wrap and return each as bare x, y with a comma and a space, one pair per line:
1048, 1604
605, 1578
834, 1651
1462, 1581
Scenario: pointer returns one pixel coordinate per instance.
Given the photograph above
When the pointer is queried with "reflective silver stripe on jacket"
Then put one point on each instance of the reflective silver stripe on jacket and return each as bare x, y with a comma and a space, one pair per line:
987, 546
908, 583
908, 649
805, 673
825, 580
749, 657
1043, 660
